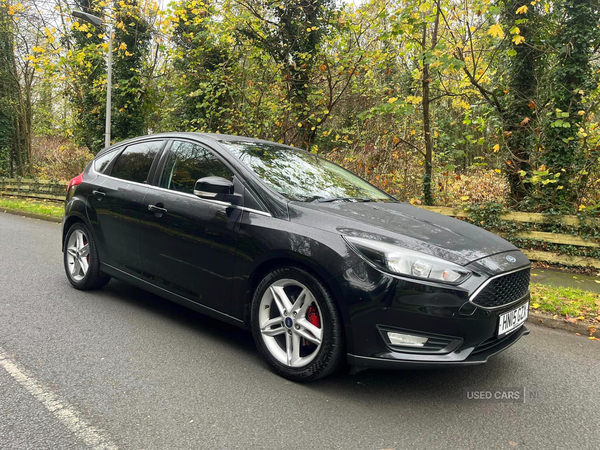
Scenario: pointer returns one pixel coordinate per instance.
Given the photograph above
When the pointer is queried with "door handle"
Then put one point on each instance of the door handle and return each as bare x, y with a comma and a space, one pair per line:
157, 210
98, 193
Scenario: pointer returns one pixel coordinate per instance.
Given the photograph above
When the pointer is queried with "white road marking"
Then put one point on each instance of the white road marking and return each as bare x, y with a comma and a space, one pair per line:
67, 415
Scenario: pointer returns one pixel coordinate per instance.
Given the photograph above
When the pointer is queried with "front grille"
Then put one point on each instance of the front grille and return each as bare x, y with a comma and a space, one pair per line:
504, 290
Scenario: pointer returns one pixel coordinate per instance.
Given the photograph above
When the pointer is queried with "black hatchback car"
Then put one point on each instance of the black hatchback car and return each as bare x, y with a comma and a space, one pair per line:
320, 265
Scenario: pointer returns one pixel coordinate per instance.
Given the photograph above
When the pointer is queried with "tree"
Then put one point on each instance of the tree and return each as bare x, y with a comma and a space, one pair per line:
16, 79
203, 65
575, 40
131, 42
290, 32
86, 62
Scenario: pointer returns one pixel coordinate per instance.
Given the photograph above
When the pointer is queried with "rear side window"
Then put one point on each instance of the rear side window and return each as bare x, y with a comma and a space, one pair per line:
135, 161
187, 163
103, 161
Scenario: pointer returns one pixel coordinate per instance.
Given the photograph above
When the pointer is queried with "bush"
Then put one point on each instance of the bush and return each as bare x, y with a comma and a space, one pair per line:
56, 158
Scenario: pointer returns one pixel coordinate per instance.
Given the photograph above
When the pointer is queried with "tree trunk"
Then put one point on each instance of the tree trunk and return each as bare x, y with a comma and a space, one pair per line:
426, 80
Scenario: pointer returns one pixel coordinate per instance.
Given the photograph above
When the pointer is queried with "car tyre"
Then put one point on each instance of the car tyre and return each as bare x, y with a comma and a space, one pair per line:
293, 309
80, 256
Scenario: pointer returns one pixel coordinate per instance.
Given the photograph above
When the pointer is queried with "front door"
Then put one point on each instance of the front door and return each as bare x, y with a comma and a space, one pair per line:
188, 244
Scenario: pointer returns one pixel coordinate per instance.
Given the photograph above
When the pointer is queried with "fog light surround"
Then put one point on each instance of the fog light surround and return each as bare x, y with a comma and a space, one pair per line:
406, 340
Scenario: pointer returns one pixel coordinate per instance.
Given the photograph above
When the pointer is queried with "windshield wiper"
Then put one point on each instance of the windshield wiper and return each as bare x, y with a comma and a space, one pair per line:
340, 199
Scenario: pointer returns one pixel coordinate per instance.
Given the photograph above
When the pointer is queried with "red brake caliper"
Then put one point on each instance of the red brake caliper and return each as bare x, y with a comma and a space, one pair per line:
312, 315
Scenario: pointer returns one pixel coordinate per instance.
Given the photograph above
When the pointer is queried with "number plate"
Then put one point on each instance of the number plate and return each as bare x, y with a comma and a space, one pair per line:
513, 319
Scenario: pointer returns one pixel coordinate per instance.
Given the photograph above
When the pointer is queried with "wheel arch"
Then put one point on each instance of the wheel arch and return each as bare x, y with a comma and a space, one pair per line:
71, 220
268, 264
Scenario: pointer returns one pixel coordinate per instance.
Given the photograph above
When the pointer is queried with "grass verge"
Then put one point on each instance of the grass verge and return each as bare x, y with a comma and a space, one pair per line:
569, 303
43, 208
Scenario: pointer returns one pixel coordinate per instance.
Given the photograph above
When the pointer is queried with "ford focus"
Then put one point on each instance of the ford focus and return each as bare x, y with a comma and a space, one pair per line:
319, 265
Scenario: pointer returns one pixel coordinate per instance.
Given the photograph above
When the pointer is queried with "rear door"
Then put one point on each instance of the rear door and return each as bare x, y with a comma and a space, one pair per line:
116, 202
188, 245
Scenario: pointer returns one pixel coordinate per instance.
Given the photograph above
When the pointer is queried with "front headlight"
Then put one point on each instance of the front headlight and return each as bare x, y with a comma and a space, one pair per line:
394, 259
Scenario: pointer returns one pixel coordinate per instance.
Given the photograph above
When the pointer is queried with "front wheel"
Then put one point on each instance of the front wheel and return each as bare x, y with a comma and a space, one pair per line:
82, 265
296, 325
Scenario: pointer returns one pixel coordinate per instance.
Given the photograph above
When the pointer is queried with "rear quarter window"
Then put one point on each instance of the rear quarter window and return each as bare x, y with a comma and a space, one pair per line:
102, 162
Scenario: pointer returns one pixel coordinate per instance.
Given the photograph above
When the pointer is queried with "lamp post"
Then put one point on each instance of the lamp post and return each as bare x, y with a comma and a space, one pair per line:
97, 21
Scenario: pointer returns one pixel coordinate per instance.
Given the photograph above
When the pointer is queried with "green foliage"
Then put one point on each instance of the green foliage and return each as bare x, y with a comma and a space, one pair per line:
577, 34
131, 45
434, 101
290, 32
204, 63
87, 65
15, 115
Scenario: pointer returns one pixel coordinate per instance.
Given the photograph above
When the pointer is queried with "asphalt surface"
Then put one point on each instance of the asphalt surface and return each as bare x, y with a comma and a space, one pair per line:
143, 373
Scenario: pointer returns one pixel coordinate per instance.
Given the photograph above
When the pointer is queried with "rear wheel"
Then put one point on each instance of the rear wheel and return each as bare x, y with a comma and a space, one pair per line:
296, 325
82, 265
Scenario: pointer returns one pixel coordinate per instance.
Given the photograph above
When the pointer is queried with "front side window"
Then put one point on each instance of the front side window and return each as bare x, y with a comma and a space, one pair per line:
136, 160
187, 163
303, 176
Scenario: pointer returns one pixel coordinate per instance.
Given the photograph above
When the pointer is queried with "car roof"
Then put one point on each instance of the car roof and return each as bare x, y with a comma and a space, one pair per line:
216, 137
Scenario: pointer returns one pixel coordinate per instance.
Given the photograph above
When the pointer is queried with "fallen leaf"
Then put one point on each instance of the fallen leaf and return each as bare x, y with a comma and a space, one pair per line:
570, 319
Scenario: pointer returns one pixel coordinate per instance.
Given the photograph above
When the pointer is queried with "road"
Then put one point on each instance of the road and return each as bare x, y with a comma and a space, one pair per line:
123, 369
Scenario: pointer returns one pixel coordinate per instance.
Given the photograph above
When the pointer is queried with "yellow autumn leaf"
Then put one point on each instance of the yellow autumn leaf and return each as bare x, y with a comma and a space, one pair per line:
518, 39
465, 198
497, 171
496, 147
496, 31
535, 305
522, 9
392, 100
123, 46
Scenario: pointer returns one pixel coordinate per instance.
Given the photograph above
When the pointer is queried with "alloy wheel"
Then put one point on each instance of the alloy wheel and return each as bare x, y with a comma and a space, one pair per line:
290, 323
78, 255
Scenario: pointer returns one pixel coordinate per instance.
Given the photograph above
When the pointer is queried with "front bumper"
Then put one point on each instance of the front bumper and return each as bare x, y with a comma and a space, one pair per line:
375, 303
469, 356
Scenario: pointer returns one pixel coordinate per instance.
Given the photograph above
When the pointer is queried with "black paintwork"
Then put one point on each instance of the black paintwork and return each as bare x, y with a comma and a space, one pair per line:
209, 255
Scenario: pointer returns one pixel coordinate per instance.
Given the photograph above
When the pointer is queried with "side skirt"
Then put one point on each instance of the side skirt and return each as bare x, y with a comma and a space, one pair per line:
143, 284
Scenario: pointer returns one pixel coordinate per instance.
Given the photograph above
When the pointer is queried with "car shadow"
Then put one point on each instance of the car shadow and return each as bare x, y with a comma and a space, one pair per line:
368, 386
203, 325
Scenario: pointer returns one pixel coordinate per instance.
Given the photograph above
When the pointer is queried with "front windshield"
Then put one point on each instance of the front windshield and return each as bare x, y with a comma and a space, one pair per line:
303, 176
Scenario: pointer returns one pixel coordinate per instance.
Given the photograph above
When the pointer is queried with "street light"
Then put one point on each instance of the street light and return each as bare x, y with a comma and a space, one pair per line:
97, 21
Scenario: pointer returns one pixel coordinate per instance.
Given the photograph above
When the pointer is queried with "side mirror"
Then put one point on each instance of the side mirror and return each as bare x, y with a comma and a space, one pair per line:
215, 188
